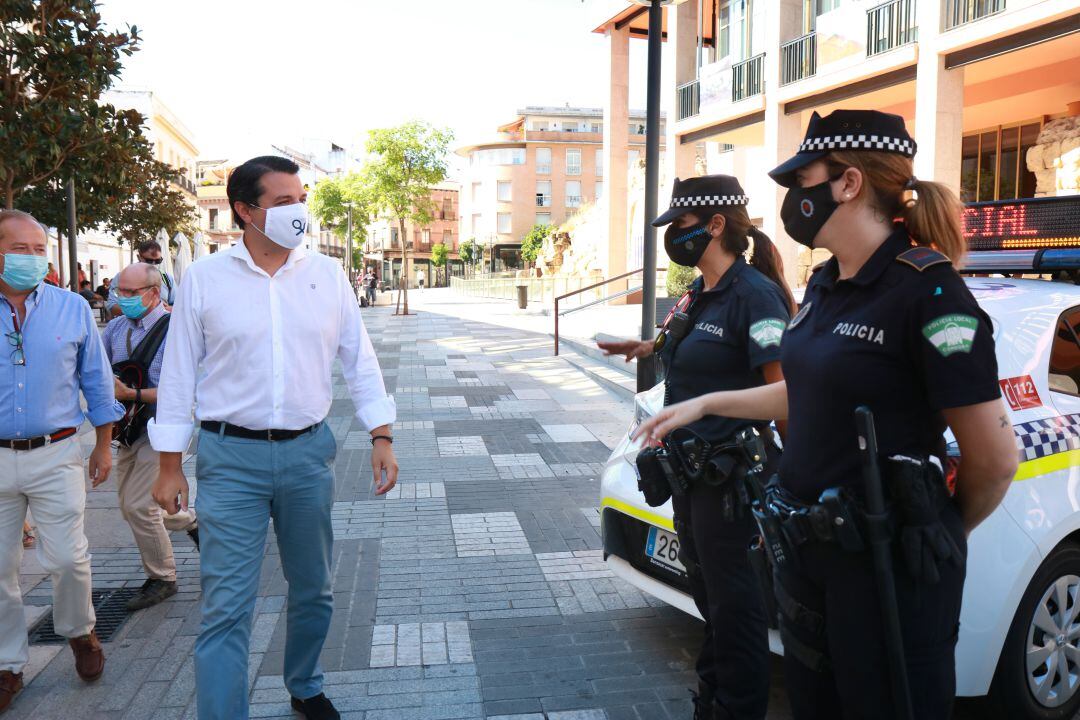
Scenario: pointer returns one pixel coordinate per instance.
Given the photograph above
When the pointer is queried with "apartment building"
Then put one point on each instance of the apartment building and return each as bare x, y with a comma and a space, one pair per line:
383, 249
976, 80
539, 169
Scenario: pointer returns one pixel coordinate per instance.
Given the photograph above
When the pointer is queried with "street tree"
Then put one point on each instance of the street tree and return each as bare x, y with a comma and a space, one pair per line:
57, 59
406, 161
533, 242
439, 254
329, 203
467, 251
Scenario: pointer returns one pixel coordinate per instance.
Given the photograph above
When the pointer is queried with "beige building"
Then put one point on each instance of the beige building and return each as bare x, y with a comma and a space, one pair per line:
990, 89
383, 251
540, 169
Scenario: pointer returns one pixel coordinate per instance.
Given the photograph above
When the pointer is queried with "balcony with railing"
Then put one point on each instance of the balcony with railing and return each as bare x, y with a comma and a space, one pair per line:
798, 59
543, 169
689, 99
890, 25
748, 78
962, 12
543, 200
573, 201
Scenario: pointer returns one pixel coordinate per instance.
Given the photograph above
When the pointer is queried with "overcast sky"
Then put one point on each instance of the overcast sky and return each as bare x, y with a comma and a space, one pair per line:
244, 73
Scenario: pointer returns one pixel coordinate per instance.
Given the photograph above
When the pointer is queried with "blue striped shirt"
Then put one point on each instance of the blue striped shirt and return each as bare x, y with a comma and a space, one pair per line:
64, 354
115, 336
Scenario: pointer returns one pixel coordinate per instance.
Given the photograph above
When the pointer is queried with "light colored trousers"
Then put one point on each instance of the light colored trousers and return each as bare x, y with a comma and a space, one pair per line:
136, 472
243, 484
50, 480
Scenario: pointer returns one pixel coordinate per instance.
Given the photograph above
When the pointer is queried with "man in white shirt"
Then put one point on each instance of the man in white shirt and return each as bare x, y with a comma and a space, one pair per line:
254, 333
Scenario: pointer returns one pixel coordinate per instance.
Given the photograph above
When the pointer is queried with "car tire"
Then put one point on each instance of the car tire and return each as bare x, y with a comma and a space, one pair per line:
1051, 604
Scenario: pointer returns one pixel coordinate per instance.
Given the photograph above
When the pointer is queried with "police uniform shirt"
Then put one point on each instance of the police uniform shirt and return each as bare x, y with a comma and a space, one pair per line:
735, 328
905, 337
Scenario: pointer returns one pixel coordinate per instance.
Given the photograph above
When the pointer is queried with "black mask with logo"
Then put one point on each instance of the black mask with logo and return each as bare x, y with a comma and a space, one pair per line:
806, 210
686, 245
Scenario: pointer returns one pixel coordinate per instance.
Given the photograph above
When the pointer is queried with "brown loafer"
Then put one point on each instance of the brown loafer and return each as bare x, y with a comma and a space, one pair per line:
10, 686
89, 657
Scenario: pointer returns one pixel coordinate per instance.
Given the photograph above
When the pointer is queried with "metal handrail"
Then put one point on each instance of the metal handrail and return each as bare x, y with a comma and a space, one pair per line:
619, 294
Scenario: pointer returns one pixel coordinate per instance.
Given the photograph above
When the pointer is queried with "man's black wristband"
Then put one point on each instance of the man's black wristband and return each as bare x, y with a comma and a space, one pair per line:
387, 438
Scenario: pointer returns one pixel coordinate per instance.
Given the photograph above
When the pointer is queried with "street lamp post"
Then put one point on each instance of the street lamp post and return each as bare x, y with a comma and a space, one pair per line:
348, 245
646, 367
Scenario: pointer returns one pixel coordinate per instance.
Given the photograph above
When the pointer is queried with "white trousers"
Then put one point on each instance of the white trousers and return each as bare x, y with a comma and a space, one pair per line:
50, 481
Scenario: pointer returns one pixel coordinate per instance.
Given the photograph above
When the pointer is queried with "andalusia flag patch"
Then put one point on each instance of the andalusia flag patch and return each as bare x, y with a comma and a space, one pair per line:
768, 332
951, 333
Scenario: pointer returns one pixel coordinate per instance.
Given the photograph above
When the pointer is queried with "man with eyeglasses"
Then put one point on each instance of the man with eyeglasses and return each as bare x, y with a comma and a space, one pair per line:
148, 252
135, 344
53, 350
253, 339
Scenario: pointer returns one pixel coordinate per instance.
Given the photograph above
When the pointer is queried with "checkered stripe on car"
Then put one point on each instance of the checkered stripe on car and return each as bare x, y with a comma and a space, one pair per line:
1040, 438
859, 142
700, 200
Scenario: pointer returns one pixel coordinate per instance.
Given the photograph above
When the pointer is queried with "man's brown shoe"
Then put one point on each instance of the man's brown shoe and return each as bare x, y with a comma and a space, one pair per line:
89, 657
10, 685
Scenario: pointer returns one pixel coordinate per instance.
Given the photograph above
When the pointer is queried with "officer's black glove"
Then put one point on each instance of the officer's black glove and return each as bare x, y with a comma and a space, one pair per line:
918, 496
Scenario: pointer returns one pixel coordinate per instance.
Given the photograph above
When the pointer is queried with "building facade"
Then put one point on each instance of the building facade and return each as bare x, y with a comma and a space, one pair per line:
977, 81
383, 247
539, 169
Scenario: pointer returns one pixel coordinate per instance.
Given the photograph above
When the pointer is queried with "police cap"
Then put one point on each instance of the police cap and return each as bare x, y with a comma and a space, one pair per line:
707, 191
846, 130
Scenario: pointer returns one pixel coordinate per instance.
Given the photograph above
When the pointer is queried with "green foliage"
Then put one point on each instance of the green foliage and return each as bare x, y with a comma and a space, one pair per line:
679, 278
534, 241
407, 161
328, 204
439, 253
58, 59
468, 251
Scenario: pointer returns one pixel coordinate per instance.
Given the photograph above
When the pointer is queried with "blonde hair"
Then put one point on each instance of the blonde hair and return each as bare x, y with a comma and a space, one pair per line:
929, 210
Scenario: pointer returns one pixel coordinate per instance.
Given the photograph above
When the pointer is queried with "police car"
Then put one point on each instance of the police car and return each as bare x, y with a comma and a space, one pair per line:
1020, 624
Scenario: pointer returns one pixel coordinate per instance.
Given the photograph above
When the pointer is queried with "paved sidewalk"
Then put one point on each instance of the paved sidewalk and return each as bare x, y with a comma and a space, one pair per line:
475, 590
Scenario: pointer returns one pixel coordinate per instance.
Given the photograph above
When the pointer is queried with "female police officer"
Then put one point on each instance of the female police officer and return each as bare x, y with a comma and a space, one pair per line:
736, 315
889, 324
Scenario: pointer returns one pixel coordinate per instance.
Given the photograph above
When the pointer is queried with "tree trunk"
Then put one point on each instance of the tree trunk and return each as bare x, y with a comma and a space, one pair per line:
404, 265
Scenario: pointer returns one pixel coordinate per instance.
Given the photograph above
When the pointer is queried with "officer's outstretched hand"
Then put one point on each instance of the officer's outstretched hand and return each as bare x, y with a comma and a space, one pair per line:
629, 349
656, 428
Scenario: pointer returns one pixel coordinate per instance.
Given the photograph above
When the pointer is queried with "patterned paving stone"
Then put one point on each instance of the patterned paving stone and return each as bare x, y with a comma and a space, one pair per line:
416, 491
582, 583
417, 518
462, 445
430, 643
489, 534
568, 433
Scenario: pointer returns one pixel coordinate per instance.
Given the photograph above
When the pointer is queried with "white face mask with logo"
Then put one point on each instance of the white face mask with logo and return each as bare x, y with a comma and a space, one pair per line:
286, 225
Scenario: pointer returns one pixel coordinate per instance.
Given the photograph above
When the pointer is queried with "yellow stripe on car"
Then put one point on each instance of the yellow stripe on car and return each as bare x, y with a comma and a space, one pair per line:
1045, 465
643, 515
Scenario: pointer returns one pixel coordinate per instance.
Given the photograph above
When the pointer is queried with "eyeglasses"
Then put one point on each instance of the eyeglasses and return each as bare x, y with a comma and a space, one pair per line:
154, 261
121, 292
18, 356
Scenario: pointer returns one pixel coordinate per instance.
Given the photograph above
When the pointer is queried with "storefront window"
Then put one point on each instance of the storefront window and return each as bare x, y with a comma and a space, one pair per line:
993, 166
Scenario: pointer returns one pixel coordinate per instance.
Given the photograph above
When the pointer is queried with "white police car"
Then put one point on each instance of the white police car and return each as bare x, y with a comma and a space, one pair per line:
1020, 624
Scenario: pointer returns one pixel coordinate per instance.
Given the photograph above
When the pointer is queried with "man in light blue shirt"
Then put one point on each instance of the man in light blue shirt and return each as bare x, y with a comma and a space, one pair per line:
148, 252
51, 351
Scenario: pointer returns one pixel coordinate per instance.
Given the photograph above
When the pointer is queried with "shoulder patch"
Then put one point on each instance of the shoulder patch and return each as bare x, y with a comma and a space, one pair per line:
951, 333
768, 332
921, 258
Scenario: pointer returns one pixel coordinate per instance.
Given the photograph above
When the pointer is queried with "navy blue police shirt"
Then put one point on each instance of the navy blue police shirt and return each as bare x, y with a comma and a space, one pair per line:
905, 337
735, 329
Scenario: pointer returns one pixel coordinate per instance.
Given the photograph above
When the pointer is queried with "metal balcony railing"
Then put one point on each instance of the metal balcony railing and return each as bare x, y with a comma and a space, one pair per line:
890, 25
543, 169
543, 200
573, 201
689, 99
798, 59
573, 169
747, 78
961, 12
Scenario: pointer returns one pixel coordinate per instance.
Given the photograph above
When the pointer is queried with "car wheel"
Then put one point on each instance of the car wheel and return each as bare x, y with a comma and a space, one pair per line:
1038, 675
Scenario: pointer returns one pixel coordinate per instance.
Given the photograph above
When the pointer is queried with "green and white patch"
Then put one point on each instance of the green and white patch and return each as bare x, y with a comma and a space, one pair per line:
768, 332
951, 333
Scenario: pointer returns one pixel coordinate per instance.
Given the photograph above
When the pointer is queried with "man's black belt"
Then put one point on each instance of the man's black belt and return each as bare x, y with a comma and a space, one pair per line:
214, 426
35, 443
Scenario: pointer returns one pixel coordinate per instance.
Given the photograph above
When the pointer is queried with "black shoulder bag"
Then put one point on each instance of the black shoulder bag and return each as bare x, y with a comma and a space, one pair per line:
135, 373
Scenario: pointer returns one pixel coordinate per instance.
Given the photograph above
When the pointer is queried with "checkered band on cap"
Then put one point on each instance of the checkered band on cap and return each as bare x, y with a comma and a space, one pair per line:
859, 142
709, 200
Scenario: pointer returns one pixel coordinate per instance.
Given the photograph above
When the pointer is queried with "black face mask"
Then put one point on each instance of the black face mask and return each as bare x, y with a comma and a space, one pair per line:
806, 210
685, 246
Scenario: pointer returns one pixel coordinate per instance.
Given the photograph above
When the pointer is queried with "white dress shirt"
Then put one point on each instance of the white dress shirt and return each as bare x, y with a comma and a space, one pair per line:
257, 351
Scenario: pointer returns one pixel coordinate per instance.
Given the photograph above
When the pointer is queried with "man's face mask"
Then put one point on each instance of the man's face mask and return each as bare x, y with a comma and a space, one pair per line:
686, 245
806, 210
285, 224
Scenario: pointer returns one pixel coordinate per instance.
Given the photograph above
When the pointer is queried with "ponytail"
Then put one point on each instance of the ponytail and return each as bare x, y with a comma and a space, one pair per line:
738, 232
929, 210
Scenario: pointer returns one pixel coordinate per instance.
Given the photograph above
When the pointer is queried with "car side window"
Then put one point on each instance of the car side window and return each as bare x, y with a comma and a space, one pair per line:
1065, 354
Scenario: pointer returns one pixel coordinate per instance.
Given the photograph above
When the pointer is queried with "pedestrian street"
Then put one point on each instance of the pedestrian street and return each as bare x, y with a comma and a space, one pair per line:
475, 589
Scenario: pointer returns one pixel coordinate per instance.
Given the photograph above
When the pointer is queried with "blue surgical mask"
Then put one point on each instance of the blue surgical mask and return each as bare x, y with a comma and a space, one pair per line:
132, 307
24, 272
